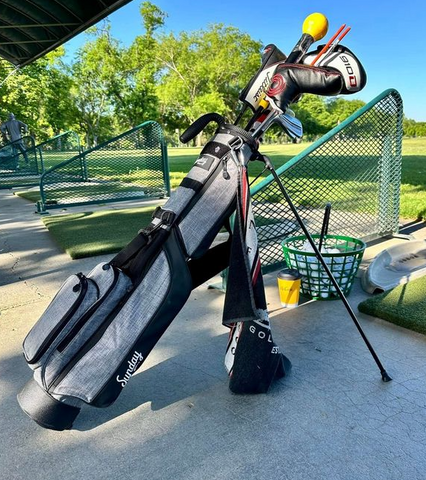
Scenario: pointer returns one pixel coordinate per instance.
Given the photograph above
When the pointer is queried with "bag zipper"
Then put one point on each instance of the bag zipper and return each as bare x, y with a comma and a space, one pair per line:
55, 331
94, 338
86, 316
110, 318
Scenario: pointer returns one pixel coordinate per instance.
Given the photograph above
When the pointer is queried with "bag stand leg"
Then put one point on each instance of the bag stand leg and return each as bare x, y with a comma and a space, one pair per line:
270, 167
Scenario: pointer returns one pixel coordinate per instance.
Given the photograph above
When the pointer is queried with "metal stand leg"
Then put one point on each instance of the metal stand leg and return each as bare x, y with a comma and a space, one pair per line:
385, 376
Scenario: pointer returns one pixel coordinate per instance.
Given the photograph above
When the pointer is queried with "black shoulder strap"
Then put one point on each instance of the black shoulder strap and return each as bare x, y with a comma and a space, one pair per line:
165, 217
130, 250
210, 264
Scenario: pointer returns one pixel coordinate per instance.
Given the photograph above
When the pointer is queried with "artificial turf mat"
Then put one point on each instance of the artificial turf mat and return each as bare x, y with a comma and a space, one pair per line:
405, 305
95, 233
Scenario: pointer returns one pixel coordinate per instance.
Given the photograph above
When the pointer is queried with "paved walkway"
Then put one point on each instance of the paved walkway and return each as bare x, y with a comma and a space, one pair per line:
332, 418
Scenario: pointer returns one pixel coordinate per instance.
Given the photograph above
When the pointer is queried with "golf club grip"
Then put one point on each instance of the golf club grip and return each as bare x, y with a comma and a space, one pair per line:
300, 48
326, 221
199, 125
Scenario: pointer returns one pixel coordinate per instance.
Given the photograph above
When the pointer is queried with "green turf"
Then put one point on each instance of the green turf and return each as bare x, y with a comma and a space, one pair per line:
88, 234
405, 305
118, 177
31, 195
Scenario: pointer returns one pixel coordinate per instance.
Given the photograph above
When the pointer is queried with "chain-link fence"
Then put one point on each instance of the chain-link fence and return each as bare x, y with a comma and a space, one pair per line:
130, 166
356, 167
20, 164
59, 149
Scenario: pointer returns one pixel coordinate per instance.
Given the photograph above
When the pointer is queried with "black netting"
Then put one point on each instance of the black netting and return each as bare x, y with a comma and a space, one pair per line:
133, 165
357, 169
19, 163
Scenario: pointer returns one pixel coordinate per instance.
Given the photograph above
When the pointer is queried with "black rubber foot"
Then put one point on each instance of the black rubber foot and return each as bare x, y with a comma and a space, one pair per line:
386, 377
44, 409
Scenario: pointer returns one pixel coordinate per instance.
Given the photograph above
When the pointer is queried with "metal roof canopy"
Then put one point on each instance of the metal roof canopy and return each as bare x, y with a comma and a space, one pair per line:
31, 28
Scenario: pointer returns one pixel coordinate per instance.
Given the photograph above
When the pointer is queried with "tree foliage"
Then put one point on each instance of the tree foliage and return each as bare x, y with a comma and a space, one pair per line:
108, 88
203, 71
414, 129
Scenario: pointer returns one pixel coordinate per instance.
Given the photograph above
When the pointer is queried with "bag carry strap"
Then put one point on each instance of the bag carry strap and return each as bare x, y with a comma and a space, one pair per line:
166, 218
130, 250
210, 264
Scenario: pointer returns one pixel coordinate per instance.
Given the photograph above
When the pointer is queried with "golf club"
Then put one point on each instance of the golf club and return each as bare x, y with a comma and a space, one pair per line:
291, 125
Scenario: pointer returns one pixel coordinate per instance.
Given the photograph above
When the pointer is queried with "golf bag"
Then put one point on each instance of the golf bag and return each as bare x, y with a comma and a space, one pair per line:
100, 327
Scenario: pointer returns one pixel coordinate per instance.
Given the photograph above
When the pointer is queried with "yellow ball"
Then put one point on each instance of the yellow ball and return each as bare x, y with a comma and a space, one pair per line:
316, 25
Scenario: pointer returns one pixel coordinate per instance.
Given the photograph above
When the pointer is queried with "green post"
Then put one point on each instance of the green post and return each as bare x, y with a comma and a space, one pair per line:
166, 170
385, 186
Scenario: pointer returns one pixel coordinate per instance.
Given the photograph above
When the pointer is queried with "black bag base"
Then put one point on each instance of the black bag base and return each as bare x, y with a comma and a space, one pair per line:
44, 409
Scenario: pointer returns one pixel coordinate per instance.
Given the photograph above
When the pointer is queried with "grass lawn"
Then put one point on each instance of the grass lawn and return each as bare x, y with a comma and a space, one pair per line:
413, 188
95, 233
413, 183
79, 234
413, 180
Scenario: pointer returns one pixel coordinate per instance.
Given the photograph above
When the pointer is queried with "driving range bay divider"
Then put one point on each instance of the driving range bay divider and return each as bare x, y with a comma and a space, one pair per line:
356, 167
15, 169
16, 172
132, 165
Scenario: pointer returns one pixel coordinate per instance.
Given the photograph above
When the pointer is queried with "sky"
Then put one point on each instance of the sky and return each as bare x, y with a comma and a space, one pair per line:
388, 37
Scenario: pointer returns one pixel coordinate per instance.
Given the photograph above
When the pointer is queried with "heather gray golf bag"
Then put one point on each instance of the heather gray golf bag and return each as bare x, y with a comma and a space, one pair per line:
100, 327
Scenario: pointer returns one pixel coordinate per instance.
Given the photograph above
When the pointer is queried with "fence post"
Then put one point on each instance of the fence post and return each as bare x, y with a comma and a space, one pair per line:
166, 170
385, 186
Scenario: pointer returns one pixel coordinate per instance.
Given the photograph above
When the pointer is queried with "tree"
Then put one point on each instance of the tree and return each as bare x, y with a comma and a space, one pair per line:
38, 95
341, 108
94, 71
58, 105
204, 71
413, 129
312, 112
135, 90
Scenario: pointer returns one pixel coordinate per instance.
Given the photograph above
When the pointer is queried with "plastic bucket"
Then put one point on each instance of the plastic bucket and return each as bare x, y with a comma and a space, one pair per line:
343, 262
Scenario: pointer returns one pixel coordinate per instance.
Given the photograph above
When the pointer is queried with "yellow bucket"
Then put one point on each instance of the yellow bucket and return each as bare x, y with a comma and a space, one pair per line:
289, 287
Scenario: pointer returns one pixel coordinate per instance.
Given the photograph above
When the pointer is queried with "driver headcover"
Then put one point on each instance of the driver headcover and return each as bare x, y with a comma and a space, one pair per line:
345, 62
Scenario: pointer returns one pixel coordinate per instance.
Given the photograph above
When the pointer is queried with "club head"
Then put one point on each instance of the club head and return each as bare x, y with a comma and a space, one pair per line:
290, 124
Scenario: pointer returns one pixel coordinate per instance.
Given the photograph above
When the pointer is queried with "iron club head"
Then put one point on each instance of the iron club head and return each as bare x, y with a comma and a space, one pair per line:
290, 124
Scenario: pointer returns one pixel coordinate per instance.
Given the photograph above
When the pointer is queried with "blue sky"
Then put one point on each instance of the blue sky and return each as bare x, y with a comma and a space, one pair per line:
388, 37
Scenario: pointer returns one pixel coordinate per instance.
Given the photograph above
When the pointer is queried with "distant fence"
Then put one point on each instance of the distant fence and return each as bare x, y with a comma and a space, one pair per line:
16, 171
356, 167
20, 164
132, 165
59, 148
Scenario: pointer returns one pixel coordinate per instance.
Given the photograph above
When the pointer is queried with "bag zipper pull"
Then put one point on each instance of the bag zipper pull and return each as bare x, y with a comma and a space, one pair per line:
225, 173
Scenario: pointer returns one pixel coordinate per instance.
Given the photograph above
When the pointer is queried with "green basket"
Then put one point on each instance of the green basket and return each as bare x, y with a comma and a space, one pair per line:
343, 265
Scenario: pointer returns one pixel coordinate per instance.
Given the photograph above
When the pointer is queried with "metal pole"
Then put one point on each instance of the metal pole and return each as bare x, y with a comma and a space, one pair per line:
385, 376
9, 75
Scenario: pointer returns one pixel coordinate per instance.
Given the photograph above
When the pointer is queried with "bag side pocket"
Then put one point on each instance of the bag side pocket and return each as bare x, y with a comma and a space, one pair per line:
87, 324
57, 315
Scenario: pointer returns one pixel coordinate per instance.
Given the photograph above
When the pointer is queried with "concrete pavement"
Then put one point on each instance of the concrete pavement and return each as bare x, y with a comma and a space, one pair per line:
332, 418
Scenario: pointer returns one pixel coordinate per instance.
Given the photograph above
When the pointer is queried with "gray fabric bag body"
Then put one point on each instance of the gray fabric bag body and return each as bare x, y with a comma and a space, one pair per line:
99, 328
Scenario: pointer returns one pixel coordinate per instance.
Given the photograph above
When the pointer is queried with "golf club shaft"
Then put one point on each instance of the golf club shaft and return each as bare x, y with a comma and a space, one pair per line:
333, 46
385, 376
325, 223
261, 129
240, 115
300, 48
